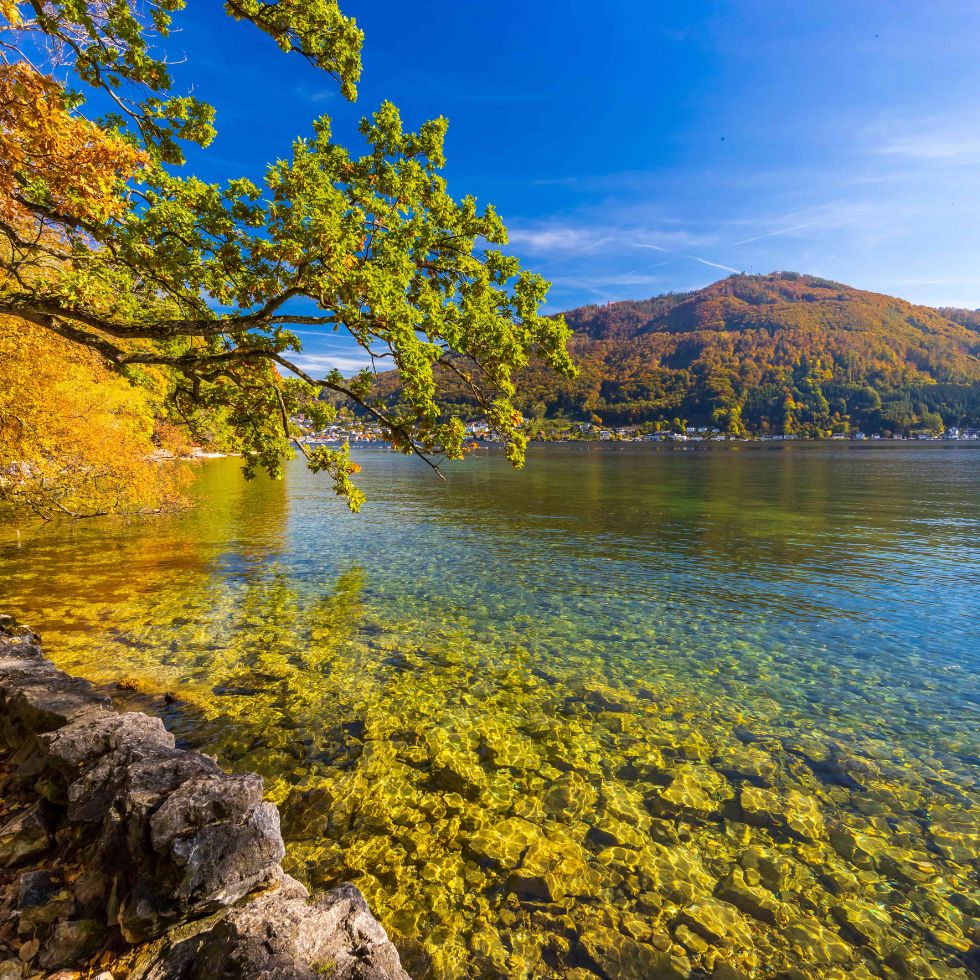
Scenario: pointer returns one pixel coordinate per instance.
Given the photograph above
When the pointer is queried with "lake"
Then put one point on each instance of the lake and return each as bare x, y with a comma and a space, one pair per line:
632, 712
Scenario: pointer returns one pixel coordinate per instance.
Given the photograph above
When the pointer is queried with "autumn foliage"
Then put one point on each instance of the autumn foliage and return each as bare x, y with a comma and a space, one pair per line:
64, 161
76, 439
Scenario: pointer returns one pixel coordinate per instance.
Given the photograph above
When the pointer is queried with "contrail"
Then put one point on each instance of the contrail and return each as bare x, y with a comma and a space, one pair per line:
772, 234
684, 255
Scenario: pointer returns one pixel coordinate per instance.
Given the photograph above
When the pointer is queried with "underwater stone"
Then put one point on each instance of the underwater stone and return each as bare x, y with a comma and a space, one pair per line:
678, 872
776, 870
868, 923
803, 816
817, 946
747, 762
607, 831
795, 812
808, 747
601, 697
488, 952
692, 941
502, 747
624, 803
552, 868
503, 843
453, 772
752, 899
955, 834
694, 791
620, 956
305, 813
718, 922
726, 971
858, 848
569, 796
760, 807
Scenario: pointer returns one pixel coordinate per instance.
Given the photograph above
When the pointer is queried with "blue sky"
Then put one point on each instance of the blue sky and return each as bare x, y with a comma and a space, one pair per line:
636, 147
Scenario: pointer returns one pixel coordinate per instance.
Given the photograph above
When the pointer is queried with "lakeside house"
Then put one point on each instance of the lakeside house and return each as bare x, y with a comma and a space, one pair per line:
360, 432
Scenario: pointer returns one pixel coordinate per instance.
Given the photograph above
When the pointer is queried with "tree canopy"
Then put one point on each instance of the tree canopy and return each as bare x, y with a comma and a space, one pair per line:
109, 243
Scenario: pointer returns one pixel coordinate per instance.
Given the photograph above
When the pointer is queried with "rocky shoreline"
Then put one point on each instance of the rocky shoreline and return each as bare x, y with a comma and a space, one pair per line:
123, 854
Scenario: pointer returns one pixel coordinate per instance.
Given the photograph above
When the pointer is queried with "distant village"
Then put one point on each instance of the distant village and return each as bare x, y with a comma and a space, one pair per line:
360, 432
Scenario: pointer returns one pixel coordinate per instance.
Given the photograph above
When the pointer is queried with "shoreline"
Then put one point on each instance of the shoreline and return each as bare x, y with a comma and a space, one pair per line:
120, 851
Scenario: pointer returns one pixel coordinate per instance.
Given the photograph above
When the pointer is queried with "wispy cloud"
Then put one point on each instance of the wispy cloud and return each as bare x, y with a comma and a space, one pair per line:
861, 221
315, 96
956, 148
322, 363
555, 239
609, 231
934, 139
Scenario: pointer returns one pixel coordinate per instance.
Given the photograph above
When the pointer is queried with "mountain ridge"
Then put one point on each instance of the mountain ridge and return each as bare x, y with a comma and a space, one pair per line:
778, 353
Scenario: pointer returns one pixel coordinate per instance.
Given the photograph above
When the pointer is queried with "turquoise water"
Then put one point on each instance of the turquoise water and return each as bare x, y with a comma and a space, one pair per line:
573, 719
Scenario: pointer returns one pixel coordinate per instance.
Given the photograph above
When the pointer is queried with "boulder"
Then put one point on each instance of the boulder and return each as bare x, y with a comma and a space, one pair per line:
71, 942
284, 934
167, 840
24, 835
42, 899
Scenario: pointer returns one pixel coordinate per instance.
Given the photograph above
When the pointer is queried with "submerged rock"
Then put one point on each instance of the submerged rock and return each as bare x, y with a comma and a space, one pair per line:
719, 923
617, 955
552, 868
794, 812
753, 899
503, 844
696, 791
747, 762
868, 924
457, 773
569, 796
816, 945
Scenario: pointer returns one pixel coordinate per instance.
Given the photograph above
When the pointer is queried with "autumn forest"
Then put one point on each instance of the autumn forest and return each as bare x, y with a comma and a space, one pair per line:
783, 354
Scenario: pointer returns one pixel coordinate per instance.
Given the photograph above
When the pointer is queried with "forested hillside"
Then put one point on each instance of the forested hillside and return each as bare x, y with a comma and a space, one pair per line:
781, 353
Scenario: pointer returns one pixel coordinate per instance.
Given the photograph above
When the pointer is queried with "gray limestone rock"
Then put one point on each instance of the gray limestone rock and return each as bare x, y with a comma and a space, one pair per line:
166, 839
283, 935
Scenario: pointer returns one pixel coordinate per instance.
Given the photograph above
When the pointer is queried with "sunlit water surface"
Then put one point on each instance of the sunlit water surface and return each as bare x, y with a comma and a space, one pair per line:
631, 710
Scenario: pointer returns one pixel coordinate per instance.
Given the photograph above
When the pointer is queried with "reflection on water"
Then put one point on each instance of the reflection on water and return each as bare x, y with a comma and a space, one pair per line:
629, 713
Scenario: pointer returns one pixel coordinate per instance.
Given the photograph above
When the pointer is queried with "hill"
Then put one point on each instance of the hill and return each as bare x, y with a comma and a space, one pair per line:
781, 353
